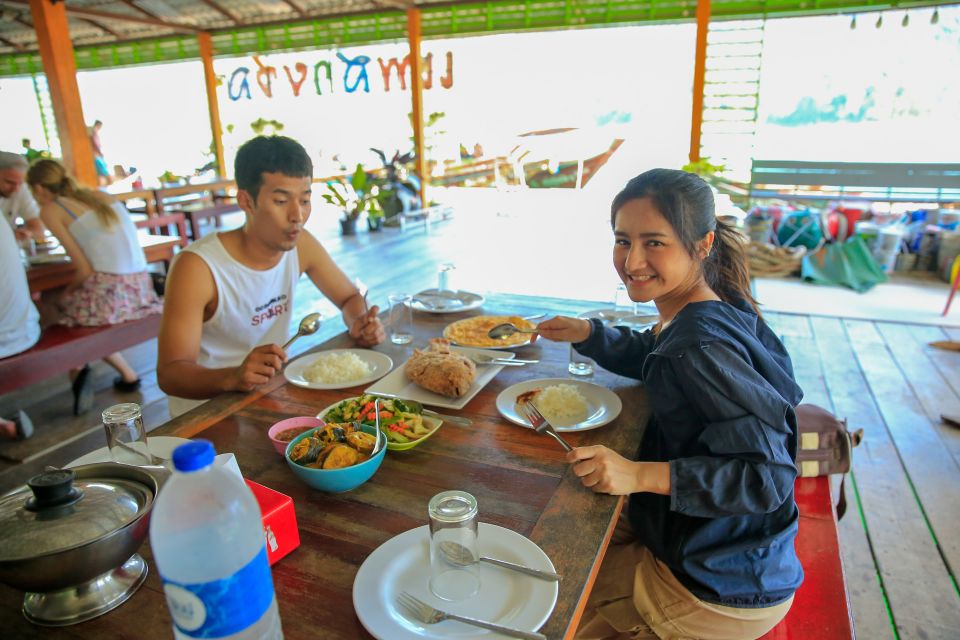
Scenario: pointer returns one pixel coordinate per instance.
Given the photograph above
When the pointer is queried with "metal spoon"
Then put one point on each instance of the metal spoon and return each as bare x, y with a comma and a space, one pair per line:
416, 407
309, 324
459, 555
506, 330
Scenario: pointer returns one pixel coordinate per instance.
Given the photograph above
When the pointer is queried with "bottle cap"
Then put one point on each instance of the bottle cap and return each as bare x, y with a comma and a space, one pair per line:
193, 455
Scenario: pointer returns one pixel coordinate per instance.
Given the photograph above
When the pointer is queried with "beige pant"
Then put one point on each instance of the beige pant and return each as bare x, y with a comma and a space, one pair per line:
637, 596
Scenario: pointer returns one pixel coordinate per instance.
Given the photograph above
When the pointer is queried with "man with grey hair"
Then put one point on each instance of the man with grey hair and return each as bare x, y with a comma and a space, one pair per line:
15, 199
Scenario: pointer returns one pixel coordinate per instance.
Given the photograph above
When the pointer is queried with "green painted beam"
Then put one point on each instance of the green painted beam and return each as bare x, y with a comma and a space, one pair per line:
491, 16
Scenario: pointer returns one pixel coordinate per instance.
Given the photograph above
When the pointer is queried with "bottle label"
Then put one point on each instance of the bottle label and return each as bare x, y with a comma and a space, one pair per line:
222, 607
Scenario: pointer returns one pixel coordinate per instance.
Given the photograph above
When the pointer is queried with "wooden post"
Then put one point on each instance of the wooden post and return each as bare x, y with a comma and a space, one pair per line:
416, 90
213, 106
56, 53
699, 71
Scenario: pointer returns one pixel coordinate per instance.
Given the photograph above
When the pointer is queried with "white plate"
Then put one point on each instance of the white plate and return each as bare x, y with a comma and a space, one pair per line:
379, 363
603, 405
647, 316
434, 301
397, 385
160, 446
512, 345
506, 597
49, 258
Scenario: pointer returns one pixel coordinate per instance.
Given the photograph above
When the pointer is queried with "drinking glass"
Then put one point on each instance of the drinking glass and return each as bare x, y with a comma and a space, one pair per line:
401, 318
443, 277
126, 437
453, 521
579, 365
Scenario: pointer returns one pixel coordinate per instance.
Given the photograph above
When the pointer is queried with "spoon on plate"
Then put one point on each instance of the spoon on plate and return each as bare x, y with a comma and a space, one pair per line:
309, 324
506, 330
459, 555
417, 407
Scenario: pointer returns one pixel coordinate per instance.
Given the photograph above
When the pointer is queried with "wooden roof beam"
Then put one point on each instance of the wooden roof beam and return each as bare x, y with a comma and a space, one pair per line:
140, 9
227, 14
103, 28
11, 43
300, 12
82, 12
396, 4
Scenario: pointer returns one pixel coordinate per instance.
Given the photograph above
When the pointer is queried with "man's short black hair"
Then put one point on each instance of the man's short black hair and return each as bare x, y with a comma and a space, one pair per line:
269, 154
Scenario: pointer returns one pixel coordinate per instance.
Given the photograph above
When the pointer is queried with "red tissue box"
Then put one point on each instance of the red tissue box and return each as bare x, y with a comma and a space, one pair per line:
279, 521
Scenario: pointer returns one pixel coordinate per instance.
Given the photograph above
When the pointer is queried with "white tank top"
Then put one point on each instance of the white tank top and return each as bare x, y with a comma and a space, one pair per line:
113, 249
19, 320
253, 308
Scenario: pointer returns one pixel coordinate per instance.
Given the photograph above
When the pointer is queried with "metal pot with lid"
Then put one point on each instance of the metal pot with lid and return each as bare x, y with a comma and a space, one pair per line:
71, 536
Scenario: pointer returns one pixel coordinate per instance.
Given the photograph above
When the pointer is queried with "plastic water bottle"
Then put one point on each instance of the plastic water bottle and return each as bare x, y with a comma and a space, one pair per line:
208, 543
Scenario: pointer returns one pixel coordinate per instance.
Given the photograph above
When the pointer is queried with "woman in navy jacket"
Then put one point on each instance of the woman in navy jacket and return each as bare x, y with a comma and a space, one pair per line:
709, 550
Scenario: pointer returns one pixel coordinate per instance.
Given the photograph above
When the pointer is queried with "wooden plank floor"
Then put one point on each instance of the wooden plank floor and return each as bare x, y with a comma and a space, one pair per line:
899, 539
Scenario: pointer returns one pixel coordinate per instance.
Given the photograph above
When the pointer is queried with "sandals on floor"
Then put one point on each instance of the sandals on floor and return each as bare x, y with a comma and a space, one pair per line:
23, 424
123, 386
82, 391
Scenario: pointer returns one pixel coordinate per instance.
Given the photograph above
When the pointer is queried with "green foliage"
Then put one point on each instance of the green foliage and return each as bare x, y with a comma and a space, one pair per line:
704, 168
356, 195
263, 127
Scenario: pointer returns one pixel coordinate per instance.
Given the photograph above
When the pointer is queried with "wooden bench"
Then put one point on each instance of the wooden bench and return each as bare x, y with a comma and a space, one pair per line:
821, 606
63, 348
426, 216
854, 181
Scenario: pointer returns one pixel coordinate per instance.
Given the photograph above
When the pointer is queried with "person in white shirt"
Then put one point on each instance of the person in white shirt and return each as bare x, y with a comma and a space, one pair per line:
15, 199
19, 322
229, 296
111, 284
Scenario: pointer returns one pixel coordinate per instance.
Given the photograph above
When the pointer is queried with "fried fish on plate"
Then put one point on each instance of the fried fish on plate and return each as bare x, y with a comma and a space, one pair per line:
440, 370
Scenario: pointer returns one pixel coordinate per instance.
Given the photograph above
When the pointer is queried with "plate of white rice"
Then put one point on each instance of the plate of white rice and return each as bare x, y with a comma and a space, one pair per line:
569, 405
338, 368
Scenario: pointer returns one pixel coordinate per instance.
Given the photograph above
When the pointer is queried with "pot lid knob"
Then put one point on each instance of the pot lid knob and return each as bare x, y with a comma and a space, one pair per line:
52, 489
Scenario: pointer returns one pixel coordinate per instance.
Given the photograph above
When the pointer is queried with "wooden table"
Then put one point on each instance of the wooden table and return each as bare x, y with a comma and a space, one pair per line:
43, 277
199, 213
520, 480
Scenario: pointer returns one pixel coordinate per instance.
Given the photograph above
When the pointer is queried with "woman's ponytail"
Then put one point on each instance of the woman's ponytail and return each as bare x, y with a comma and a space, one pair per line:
725, 269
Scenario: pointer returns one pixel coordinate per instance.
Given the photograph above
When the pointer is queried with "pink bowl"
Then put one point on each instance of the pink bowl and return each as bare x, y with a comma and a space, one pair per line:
290, 423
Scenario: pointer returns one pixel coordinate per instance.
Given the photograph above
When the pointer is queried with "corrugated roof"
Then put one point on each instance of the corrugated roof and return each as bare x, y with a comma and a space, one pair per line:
117, 32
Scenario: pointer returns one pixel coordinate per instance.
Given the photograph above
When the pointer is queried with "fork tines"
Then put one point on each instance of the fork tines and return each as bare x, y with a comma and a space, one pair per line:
417, 608
540, 424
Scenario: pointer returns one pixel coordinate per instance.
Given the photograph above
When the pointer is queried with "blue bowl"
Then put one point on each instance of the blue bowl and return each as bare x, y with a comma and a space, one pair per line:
336, 480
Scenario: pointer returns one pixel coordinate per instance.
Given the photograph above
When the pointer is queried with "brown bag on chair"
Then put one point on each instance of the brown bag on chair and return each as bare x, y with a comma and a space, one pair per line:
825, 446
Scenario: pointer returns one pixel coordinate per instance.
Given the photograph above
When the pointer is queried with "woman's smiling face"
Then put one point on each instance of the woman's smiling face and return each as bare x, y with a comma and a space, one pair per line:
649, 256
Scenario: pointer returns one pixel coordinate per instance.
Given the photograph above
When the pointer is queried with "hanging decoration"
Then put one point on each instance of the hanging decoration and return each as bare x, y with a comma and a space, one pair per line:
354, 76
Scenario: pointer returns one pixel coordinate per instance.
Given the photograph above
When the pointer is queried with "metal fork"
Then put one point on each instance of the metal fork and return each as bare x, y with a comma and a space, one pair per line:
428, 615
540, 424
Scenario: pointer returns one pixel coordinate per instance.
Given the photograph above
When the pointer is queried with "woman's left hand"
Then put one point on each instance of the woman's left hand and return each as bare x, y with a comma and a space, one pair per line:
604, 470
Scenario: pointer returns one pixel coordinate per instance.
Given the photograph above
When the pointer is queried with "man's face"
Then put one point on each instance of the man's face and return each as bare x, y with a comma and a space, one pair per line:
281, 209
10, 181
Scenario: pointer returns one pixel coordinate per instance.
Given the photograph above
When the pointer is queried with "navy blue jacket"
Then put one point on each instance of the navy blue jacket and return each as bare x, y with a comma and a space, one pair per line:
722, 393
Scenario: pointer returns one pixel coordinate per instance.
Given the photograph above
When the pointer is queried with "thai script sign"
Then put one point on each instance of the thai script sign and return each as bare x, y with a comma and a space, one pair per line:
347, 74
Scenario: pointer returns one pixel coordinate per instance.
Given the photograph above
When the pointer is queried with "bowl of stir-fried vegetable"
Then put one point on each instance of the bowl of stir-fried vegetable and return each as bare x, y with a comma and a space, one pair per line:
335, 457
403, 426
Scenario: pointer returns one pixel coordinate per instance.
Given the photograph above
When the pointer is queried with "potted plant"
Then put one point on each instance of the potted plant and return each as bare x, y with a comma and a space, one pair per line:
354, 197
400, 188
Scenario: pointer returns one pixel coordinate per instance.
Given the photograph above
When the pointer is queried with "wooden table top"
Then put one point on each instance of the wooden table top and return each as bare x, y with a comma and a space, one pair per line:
43, 277
519, 478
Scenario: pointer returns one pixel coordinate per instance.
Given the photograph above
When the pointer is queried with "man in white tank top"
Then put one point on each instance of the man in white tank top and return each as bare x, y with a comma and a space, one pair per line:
229, 296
